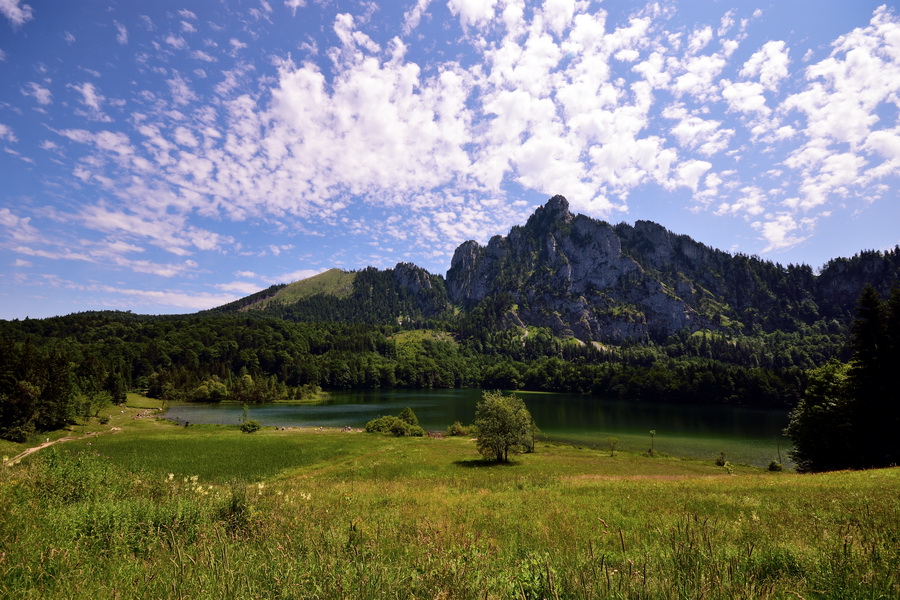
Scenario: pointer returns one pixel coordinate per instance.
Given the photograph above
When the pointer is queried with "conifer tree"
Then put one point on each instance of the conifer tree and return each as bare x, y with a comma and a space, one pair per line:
868, 381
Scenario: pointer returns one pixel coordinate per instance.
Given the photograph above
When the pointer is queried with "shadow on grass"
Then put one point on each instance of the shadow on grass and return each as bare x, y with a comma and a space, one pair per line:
478, 463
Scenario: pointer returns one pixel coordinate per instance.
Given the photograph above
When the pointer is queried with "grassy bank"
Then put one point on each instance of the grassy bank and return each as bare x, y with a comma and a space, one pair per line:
158, 511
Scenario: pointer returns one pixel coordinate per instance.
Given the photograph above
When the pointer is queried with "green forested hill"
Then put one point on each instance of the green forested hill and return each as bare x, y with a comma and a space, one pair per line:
563, 303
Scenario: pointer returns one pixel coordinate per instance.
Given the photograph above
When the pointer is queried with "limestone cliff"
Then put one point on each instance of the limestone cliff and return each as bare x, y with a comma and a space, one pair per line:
568, 273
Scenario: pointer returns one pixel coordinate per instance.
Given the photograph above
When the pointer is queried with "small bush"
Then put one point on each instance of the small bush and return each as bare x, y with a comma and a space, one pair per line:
104, 420
459, 429
720, 462
776, 466
250, 425
400, 428
381, 424
408, 416
395, 426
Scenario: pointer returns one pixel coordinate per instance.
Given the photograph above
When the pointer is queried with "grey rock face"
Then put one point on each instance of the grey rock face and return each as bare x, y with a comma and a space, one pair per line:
569, 273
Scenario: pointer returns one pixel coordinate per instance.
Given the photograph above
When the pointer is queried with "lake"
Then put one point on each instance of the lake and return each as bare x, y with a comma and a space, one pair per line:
746, 436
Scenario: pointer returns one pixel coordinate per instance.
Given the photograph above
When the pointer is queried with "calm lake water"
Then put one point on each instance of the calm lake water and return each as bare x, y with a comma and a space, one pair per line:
746, 436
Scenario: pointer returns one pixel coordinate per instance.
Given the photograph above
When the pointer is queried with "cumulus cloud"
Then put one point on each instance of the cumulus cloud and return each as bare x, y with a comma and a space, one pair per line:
17, 12
779, 232
472, 12
557, 100
841, 105
769, 64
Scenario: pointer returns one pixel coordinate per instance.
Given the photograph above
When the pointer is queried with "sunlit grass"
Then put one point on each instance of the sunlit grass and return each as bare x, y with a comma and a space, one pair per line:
326, 514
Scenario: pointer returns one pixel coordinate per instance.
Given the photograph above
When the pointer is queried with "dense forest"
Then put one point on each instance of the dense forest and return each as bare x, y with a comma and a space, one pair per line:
59, 369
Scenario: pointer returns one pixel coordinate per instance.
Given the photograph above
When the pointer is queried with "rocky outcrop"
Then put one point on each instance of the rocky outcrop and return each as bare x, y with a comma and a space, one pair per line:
568, 273
583, 278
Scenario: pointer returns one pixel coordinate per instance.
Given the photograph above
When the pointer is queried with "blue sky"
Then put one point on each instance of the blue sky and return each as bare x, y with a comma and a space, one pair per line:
166, 157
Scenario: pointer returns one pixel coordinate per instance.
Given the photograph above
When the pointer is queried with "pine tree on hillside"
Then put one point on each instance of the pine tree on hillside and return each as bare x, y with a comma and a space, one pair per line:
868, 380
850, 414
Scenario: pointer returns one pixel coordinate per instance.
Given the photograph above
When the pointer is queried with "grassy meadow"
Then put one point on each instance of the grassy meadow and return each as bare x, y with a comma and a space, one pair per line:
155, 510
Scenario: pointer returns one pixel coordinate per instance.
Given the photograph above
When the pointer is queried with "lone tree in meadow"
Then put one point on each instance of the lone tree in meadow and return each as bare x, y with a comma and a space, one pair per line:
503, 424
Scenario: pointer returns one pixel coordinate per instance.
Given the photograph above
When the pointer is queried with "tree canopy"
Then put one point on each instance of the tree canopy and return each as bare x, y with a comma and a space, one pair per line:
849, 415
504, 425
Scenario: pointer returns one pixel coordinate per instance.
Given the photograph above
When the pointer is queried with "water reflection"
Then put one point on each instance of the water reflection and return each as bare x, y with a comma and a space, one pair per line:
746, 435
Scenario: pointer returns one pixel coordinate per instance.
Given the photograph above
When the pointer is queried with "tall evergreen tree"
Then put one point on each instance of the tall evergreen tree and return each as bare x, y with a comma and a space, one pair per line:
868, 381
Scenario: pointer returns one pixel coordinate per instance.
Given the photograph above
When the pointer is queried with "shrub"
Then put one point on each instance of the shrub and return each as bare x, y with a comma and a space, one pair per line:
380, 425
458, 429
250, 425
408, 416
399, 427
395, 426
720, 462
776, 466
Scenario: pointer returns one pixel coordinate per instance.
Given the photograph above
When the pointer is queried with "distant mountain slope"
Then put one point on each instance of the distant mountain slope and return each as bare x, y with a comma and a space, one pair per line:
584, 278
404, 293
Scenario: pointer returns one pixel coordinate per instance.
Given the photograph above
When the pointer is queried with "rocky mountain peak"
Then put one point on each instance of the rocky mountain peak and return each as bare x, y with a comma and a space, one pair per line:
555, 211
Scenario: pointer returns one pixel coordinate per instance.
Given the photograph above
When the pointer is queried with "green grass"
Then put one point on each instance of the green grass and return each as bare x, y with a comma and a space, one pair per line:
333, 282
326, 514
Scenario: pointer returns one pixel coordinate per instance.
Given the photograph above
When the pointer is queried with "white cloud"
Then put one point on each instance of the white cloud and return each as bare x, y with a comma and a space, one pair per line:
6, 133
93, 100
177, 299
176, 41
562, 101
472, 12
413, 16
841, 104
17, 228
294, 5
122, 33
744, 96
779, 232
699, 76
17, 13
201, 55
751, 202
240, 287
769, 64
695, 133
699, 39
182, 94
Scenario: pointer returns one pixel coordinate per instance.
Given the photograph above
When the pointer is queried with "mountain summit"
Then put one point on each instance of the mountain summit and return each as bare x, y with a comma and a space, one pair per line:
587, 279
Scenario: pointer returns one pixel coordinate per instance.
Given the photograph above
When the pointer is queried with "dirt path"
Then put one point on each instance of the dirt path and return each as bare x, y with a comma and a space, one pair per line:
15, 459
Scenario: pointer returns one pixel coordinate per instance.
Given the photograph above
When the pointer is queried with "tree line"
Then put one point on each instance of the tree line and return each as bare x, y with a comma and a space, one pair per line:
54, 371
849, 416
